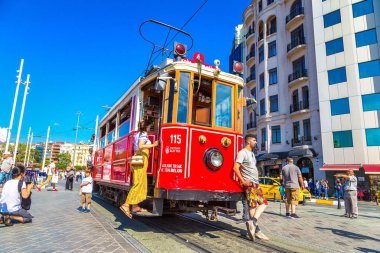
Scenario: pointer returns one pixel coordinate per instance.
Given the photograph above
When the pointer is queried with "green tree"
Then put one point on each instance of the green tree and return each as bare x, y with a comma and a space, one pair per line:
63, 160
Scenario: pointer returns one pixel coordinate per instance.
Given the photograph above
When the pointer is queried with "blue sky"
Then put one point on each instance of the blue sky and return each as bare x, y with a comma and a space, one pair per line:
85, 54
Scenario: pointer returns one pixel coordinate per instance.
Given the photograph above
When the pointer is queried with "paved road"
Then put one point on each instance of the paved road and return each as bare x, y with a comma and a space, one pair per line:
59, 227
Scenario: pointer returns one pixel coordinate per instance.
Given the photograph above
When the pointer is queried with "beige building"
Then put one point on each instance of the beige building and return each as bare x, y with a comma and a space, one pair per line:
281, 75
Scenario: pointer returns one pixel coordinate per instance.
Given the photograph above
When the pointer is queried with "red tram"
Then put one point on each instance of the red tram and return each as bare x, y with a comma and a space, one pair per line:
197, 115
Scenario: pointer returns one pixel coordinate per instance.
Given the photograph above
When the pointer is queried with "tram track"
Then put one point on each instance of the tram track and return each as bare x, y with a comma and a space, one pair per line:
200, 235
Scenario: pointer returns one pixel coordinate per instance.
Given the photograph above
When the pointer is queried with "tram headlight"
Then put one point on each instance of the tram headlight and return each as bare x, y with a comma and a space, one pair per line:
213, 159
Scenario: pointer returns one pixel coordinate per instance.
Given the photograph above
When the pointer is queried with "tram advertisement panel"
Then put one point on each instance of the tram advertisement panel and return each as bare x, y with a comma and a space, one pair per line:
173, 155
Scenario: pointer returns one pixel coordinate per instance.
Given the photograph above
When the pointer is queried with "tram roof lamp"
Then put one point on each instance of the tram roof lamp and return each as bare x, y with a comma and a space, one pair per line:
180, 49
238, 67
161, 82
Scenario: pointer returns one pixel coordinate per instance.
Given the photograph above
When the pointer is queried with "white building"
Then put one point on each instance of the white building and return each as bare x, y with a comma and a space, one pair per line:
281, 76
348, 66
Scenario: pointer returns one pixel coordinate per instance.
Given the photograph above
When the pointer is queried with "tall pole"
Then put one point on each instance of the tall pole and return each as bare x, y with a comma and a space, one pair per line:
76, 136
96, 134
21, 116
46, 143
30, 147
14, 105
27, 146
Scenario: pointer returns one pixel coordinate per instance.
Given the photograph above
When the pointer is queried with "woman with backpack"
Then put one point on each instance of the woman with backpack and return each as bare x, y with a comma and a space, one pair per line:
70, 176
15, 198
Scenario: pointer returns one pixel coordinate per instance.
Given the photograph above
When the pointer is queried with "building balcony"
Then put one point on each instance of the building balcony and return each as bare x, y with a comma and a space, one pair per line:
294, 17
271, 31
299, 108
251, 125
250, 58
248, 15
297, 77
303, 141
249, 38
297, 45
251, 79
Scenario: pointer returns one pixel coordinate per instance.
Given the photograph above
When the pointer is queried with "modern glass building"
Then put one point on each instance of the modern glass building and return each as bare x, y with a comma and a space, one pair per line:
348, 66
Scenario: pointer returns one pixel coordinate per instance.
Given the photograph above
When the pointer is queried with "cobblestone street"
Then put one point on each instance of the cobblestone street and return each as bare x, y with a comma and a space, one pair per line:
59, 227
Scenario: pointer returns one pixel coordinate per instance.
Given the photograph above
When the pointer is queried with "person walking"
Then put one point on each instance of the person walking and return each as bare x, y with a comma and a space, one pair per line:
6, 167
70, 176
291, 178
248, 175
50, 173
311, 186
326, 188
350, 194
139, 190
338, 189
318, 189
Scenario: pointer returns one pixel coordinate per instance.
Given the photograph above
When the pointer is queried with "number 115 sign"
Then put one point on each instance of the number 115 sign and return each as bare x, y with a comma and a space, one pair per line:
174, 149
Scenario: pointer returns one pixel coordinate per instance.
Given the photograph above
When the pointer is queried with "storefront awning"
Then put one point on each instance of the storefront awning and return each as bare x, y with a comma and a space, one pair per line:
304, 152
270, 156
343, 167
371, 168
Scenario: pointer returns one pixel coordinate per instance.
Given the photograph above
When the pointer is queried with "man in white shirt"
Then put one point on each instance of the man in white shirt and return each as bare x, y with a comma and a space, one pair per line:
350, 194
50, 173
6, 167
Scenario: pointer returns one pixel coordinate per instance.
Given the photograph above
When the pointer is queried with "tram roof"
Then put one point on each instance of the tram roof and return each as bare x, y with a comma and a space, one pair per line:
166, 66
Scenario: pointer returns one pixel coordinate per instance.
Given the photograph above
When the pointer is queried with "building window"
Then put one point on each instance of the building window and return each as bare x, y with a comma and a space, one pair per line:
337, 75
362, 8
369, 69
371, 102
253, 92
263, 136
372, 136
262, 106
272, 51
306, 130
296, 132
272, 76
260, 5
272, 26
273, 103
261, 53
262, 81
276, 134
343, 139
270, 2
332, 18
339, 106
366, 38
334, 46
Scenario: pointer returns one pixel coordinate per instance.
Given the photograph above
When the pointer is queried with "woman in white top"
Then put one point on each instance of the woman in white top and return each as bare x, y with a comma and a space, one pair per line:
139, 190
10, 202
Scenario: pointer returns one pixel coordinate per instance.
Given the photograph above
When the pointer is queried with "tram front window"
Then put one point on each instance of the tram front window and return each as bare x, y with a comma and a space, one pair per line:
202, 97
223, 114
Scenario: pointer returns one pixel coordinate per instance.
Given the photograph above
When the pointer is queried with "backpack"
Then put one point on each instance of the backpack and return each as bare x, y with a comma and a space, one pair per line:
25, 203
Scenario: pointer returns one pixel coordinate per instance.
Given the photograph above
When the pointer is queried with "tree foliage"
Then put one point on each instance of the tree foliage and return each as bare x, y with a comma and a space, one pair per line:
63, 160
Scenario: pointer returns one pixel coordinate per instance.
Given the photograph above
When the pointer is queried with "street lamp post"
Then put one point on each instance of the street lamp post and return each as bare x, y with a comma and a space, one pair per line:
27, 146
76, 136
30, 147
46, 143
21, 116
14, 105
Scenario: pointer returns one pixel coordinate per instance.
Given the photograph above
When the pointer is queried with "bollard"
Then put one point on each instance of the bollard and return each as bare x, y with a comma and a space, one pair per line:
339, 206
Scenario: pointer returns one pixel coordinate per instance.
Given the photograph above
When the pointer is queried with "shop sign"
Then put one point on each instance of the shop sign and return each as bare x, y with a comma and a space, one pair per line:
270, 162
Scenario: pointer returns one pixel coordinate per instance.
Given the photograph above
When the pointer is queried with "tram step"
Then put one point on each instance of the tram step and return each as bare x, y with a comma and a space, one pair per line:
228, 211
146, 214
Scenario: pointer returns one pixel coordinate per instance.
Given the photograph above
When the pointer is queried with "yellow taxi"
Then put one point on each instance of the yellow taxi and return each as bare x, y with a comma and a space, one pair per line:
271, 189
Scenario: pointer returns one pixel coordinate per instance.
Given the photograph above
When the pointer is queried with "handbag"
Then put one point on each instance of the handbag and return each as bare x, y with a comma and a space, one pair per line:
54, 179
137, 160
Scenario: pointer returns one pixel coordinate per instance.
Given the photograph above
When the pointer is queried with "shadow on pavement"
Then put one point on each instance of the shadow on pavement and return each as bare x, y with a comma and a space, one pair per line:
349, 234
367, 250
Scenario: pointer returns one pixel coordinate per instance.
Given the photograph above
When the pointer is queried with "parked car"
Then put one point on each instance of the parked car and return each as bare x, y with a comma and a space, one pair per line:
271, 189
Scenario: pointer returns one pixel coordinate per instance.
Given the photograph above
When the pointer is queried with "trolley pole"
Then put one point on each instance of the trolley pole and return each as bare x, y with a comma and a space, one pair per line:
46, 143
21, 116
27, 146
30, 147
14, 105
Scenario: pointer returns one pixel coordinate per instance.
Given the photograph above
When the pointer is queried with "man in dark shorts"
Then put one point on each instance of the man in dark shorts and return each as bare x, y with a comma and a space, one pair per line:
291, 178
246, 170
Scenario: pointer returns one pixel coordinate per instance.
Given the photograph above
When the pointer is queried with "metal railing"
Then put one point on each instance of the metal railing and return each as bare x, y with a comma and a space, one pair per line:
250, 55
250, 31
304, 140
251, 77
300, 40
296, 75
262, 146
251, 125
294, 13
301, 105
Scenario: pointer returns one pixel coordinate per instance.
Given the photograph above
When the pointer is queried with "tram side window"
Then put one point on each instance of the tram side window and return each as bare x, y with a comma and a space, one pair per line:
170, 100
102, 136
202, 97
125, 119
223, 114
111, 131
